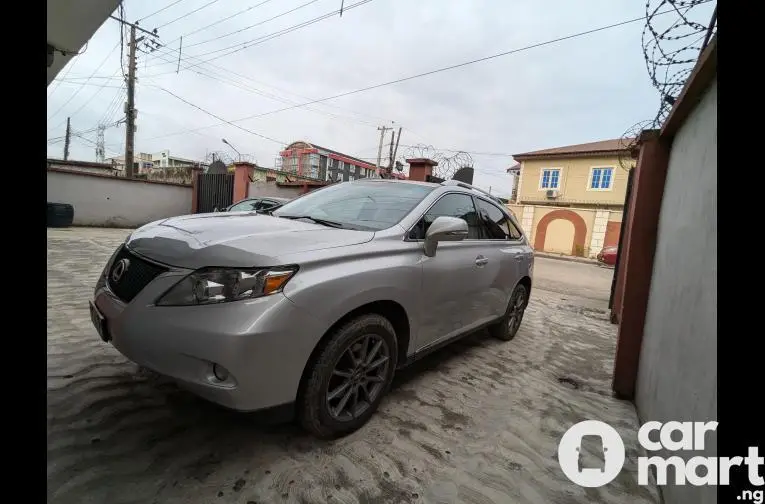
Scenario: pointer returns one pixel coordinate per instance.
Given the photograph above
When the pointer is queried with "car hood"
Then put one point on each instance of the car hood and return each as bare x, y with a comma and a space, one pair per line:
235, 240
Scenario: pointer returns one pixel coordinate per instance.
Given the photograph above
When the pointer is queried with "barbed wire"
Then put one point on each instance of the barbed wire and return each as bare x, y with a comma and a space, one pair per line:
447, 164
671, 46
228, 158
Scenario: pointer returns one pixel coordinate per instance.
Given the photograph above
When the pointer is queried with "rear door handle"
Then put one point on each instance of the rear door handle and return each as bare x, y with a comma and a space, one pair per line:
481, 261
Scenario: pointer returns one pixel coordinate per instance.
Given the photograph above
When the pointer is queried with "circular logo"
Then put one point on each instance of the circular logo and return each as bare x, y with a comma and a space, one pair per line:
119, 269
591, 453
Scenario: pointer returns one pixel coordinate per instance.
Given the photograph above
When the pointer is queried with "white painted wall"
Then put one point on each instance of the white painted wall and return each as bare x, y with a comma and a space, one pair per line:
677, 377
116, 202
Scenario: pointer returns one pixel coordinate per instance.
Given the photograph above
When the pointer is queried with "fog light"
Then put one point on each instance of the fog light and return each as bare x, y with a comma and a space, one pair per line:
220, 372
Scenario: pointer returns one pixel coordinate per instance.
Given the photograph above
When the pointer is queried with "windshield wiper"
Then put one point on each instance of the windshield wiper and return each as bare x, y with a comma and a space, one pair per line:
323, 222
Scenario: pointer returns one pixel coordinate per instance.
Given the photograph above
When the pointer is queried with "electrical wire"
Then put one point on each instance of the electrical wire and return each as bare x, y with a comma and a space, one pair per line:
187, 14
239, 47
259, 23
251, 89
430, 72
158, 11
81, 86
218, 117
61, 79
189, 34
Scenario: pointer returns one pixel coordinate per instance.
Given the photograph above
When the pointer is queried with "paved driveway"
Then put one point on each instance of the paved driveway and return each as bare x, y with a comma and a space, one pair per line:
477, 422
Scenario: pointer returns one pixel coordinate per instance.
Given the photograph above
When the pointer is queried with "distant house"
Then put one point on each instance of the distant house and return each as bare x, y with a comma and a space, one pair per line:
570, 198
320, 163
144, 162
590, 175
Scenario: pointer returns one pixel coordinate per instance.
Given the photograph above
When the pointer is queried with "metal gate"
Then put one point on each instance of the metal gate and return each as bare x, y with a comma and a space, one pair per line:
214, 191
620, 250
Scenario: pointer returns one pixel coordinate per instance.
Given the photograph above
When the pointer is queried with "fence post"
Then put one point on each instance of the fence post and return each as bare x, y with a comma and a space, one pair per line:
195, 189
242, 174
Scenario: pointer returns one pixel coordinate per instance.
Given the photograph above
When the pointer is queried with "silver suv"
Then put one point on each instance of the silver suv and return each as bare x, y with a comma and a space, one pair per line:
310, 310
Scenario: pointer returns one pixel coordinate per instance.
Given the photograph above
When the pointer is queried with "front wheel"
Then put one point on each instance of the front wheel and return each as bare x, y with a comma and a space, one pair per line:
349, 377
511, 322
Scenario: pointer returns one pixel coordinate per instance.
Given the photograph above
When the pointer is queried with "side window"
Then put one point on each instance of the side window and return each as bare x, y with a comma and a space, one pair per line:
264, 205
497, 225
451, 205
244, 206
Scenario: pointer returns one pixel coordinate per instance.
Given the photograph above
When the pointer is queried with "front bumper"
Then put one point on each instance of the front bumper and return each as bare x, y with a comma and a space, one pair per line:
263, 343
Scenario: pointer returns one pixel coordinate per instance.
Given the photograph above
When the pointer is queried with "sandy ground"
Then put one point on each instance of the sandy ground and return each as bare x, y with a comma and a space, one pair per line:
477, 422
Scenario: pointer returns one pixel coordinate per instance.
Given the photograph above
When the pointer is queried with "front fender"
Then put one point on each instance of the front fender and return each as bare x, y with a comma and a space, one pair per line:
330, 290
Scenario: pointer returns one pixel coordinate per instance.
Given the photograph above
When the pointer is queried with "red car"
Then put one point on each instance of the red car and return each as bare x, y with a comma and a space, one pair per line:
607, 256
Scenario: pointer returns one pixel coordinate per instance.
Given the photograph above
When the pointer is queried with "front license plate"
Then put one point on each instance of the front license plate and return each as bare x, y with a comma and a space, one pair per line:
99, 322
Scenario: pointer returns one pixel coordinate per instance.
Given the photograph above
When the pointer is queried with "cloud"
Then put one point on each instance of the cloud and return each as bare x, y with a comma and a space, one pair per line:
580, 90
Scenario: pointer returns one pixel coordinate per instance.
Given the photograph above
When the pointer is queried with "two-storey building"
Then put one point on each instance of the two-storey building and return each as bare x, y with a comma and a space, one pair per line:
570, 199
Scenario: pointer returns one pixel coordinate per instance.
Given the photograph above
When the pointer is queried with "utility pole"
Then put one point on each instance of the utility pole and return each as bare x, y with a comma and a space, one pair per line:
395, 151
130, 111
390, 152
66, 138
130, 108
382, 130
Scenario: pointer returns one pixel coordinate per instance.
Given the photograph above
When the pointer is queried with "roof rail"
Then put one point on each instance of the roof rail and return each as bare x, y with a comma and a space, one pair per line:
465, 185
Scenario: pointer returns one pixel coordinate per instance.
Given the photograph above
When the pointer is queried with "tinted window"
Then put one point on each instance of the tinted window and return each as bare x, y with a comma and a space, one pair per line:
451, 205
497, 226
244, 206
265, 205
359, 205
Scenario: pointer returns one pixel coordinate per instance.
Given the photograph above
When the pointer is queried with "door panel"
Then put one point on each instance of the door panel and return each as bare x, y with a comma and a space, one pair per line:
455, 290
504, 244
456, 280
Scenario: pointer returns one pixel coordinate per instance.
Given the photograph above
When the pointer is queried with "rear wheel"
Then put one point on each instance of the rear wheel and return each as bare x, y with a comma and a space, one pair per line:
349, 377
511, 322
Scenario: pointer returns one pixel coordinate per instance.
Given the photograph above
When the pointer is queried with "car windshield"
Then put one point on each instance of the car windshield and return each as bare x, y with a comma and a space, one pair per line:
358, 205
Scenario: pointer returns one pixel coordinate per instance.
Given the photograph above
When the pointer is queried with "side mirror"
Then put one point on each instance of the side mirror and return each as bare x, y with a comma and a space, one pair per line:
444, 229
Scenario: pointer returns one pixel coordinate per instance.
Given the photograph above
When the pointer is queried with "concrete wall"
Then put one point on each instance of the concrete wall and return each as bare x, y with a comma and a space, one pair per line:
262, 188
574, 185
114, 201
677, 374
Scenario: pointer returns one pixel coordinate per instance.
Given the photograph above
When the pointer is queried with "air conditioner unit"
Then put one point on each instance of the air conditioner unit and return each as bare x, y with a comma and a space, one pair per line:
552, 194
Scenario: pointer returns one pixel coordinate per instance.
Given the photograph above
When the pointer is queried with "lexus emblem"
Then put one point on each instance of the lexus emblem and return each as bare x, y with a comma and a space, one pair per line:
119, 269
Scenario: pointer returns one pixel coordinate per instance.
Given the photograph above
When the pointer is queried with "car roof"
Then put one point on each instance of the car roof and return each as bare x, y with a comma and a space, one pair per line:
258, 198
393, 181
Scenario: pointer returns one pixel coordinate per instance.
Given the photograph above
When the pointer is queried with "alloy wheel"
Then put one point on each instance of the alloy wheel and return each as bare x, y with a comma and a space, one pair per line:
358, 377
516, 311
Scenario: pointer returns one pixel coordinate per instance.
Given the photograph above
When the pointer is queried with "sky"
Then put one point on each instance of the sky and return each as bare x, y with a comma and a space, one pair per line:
256, 62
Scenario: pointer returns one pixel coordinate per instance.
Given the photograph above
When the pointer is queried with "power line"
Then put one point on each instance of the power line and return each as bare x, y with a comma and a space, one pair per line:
188, 34
246, 87
71, 65
431, 72
81, 86
239, 47
218, 117
160, 10
254, 25
187, 14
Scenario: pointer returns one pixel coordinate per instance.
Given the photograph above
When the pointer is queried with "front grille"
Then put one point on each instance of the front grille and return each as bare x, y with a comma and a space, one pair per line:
135, 276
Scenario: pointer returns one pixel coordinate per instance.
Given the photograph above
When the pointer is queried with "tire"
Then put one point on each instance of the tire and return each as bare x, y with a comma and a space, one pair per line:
59, 214
506, 329
333, 366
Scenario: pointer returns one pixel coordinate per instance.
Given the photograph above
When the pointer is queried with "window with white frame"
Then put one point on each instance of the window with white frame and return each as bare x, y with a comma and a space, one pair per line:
601, 178
549, 178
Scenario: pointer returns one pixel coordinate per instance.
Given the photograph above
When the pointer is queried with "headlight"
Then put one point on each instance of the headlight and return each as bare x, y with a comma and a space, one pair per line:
216, 285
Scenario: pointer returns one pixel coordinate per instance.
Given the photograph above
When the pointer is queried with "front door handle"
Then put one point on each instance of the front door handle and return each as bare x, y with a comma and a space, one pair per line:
481, 261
